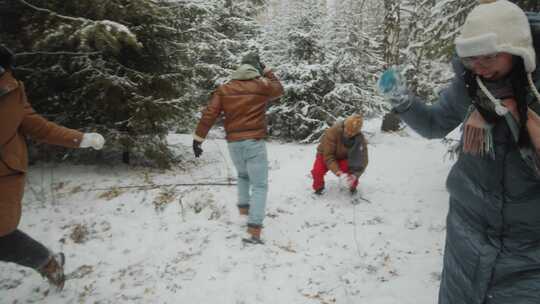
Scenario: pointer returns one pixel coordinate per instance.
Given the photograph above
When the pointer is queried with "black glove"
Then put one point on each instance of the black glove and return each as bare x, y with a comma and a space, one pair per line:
7, 57
197, 150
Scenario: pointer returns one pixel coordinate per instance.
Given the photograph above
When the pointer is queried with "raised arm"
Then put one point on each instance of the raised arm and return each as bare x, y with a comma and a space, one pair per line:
440, 118
430, 121
272, 85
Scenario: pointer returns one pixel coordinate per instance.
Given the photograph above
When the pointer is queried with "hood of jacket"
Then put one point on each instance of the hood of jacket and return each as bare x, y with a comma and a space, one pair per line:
245, 72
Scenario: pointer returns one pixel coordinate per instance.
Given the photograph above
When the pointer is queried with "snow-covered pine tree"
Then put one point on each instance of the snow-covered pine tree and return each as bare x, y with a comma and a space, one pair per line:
101, 65
214, 35
358, 55
293, 45
133, 70
430, 28
446, 19
325, 55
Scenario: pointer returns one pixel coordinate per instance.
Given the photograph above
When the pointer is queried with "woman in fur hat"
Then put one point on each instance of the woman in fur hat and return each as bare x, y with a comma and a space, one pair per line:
492, 252
342, 150
17, 121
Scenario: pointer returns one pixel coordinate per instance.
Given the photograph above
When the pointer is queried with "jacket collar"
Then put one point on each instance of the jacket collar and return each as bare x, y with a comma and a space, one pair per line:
7, 83
245, 72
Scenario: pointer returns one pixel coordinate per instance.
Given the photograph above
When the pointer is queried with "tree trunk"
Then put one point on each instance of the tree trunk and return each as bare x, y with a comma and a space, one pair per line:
391, 121
391, 31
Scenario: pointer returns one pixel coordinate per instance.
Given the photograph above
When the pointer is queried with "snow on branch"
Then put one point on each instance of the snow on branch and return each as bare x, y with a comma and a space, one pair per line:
55, 14
110, 30
57, 53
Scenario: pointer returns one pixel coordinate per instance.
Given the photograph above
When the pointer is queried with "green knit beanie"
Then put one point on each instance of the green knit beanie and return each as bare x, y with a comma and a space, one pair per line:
254, 60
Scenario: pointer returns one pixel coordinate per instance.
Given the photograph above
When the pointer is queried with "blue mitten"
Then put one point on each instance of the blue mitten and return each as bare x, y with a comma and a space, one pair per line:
393, 87
389, 81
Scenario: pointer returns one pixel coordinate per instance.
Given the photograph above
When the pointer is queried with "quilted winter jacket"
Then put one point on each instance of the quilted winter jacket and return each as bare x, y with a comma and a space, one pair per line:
17, 120
492, 251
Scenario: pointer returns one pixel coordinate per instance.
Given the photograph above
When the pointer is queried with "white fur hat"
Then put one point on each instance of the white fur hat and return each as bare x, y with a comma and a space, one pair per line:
497, 26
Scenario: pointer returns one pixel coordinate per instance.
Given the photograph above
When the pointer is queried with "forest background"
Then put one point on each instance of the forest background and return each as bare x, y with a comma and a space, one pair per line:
137, 70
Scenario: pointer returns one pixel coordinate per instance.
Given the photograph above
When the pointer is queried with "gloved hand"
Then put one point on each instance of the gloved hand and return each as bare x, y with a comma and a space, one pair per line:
7, 58
347, 179
197, 150
94, 140
267, 70
392, 85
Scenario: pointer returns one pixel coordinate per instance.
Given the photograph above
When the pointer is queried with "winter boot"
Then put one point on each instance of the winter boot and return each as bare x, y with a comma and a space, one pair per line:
254, 232
54, 271
243, 209
319, 191
354, 187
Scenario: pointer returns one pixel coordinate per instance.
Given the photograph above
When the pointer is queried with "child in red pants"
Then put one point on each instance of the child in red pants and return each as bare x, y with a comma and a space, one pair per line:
319, 171
342, 150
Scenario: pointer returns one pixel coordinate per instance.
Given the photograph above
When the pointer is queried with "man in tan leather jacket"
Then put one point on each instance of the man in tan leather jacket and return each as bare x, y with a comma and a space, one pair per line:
243, 103
18, 120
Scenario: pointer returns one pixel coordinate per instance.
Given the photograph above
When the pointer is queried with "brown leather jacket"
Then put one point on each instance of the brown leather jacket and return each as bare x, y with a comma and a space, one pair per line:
243, 103
333, 149
17, 120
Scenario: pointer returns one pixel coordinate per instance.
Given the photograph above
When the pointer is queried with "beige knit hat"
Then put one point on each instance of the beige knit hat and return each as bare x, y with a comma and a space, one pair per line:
353, 124
497, 26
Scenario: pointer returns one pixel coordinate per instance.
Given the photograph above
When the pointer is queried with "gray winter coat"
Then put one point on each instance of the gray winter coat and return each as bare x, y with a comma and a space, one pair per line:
492, 251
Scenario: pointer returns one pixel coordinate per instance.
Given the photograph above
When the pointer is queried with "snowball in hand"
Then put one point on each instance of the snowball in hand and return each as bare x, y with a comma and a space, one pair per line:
389, 81
392, 85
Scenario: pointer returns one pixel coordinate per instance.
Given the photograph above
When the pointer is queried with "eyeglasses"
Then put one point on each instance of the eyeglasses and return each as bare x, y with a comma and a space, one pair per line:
484, 60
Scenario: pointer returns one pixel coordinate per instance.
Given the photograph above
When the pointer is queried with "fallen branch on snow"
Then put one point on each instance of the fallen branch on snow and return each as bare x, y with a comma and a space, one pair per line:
151, 186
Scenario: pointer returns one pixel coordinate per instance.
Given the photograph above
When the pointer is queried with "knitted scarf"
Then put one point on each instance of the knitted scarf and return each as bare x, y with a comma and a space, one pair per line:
495, 102
482, 116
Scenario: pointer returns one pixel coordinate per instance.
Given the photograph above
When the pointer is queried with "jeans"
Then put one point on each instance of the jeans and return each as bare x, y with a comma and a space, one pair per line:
19, 248
250, 159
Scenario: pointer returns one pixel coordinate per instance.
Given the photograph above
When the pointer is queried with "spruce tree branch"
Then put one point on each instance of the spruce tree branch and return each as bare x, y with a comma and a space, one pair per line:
55, 14
362, 5
139, 73
406, 10
19, 68
57, 53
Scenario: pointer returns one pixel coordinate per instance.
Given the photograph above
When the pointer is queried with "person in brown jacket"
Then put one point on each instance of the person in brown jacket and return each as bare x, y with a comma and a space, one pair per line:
342, 150
243, 102
18, 120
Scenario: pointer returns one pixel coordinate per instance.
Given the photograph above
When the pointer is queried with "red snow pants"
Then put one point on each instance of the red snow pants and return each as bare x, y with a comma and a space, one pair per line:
320, 169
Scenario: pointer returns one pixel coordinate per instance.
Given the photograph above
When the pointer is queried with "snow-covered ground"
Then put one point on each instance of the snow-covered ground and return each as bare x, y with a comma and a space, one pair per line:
181, 244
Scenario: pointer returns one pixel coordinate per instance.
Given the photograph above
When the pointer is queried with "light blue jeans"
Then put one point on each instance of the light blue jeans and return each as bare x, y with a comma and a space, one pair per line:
250, 159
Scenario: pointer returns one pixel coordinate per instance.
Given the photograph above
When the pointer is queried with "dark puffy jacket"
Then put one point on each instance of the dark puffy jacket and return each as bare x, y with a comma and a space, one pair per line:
492, 251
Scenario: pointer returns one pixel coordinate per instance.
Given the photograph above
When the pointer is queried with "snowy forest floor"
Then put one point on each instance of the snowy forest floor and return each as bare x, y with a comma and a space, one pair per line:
182, 244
